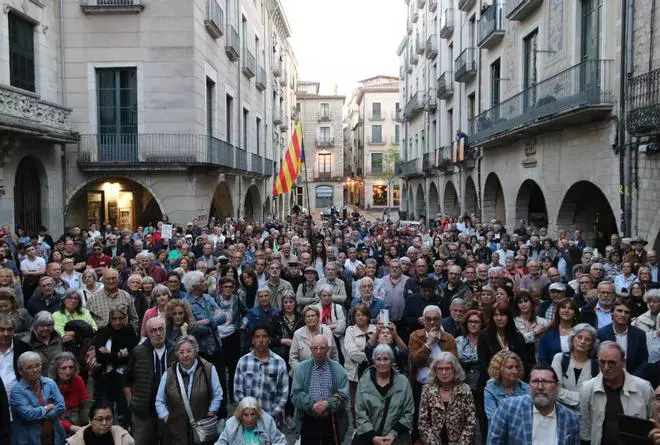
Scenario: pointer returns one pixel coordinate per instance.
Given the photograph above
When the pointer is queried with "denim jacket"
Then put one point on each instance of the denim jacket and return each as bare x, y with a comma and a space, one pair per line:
28, 413
204, 309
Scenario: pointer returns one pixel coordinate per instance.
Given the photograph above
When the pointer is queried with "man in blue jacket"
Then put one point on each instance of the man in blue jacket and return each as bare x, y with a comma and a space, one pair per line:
631, 339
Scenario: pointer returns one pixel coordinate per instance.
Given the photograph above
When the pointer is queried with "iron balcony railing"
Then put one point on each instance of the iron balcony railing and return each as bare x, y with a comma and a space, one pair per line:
445, 85
414, 106
490, 26
269, 167
427, 162
466, 5
412, 168
447, 23
256, 164
322, 142
520, 9
409, 27
419, 45
233, 43
432, 46
433, 5
377, 116
583, 85
170, 151
465, 67
249, 64
277, 117
376, 140
111, 6
276, 67
261, 79
644, 104
215, 19
324, 116
430, 100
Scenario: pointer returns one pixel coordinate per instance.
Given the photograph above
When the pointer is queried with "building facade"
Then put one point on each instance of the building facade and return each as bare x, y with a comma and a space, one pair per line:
321, 116
373, 135
165, 107
533, 88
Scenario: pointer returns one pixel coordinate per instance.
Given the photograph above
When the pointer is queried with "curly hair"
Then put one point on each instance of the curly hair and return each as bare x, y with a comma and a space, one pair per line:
497, 362
169, 310
472, 313
446, 357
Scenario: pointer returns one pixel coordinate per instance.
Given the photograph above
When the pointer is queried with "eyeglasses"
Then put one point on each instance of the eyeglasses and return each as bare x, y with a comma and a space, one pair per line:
34, 367
474, 322
433, 319
161, 329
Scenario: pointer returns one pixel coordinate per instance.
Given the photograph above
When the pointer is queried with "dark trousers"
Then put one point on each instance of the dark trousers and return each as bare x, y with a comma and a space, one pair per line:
217, 361
231, 353
317, 431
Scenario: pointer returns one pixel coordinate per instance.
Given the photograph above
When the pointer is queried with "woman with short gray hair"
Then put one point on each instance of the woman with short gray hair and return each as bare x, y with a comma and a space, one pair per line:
647, 321
250, 425
44, 340
575, 367
446, 407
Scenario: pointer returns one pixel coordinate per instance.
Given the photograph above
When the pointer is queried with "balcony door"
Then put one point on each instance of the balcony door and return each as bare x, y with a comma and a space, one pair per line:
530, 72
589, 73
117, 114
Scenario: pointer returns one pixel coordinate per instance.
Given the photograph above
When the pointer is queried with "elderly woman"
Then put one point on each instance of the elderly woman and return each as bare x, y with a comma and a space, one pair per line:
647, 321
250, 425
384, 407
354, 343
160, 295
100, 429
8, 279
506, 370
575, 367
64, 371
302, 338
263, 312
113, 344
90, 285
36, 403
446, 409
203, 392
71, 309
179, 320
8, 305
332, 314
44, 340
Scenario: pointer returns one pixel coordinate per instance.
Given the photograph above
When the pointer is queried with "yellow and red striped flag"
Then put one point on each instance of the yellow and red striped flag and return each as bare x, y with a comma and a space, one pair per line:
291, 164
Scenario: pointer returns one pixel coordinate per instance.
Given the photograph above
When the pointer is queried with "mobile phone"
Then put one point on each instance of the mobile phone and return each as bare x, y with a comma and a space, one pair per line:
634, 430
385, 316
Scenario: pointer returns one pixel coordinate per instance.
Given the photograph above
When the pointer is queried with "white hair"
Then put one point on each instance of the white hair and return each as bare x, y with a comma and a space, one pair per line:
431, 308
192, 278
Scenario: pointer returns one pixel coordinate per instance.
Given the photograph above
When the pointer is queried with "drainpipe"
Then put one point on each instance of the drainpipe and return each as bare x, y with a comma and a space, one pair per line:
622, 149
240, 107
628, 138
63, 102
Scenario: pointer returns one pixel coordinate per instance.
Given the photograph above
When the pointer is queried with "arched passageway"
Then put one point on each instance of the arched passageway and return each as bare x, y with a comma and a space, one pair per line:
252, 209
30, 195
120, 202
530, 204
434, 201
420, 202
585, 207
221, 204
410, 203
493, 202
451, 205
471, 198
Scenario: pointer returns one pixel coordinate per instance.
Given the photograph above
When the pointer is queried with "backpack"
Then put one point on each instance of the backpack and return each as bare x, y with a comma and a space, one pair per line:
566, 360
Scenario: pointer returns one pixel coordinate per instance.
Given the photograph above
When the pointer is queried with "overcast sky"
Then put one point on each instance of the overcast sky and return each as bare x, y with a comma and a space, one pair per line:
343, 41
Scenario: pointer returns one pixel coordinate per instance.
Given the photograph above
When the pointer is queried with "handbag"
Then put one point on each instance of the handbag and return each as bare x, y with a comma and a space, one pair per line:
205, 430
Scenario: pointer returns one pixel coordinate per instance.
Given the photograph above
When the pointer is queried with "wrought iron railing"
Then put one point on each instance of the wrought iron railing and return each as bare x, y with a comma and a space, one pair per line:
118, 3
233, 43
586, 84
490, 22
447, 23
644, 104
249, 64
465, 65
215, 18
261, 79
445, 85
432, 46
520, 9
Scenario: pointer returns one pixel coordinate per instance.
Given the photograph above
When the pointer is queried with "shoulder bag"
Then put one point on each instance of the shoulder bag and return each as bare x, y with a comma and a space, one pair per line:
204, 430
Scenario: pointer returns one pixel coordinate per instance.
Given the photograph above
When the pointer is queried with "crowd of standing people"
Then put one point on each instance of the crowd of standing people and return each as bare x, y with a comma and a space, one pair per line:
446, 332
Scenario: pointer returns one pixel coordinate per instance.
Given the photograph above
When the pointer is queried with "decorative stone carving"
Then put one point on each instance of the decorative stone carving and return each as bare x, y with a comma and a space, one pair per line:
530, 154
24, 106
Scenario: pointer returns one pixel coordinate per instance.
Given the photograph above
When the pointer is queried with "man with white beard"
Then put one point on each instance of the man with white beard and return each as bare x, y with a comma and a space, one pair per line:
536, 419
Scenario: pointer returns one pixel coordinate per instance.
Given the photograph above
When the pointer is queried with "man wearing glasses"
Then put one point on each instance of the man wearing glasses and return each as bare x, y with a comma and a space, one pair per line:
535, 419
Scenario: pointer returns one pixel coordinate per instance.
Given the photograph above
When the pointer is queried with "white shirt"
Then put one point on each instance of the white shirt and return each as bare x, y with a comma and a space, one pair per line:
7, 369
544, 428
27, 265
622, 340
74, 281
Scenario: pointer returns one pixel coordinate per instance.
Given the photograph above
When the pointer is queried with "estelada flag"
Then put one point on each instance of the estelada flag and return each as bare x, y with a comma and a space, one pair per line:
291, 164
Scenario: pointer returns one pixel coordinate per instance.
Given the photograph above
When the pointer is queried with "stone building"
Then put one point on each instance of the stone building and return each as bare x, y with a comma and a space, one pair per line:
179, 107
535, 87
321, 116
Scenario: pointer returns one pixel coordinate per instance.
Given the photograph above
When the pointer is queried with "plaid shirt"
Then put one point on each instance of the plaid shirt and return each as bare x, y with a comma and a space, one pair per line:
100, 303
320, 384
268, 382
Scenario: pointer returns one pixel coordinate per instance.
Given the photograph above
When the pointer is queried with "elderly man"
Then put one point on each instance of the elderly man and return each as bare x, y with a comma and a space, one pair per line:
277, 285
536, 418
599, 313
338, 286
319, 393
452, 324
147, 365
54, 270
394, 296
110, 296
454, 288
146, 261
44, 340
367, 298
611, 393
557, 293
45, 297
535, 281
287, 255
413, 283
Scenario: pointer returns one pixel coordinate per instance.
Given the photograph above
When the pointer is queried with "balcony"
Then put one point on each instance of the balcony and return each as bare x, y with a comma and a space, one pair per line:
322, 175
409, 27
402, 72
377, 117
325, 142
215, 19
421, 3
409, 67
249, 64
490, 27
375, 170
413, 168
432, 47
376, 141
427, 163
256, 164
324, 116
277, 117
447, 23
518, 10
643, 117
396, 115
284, 76
414, 106
465, 67
276, 67
261, 79
233, 44
414, 16
579, 94
445, 85
433, 5
160, 152
431, 101
419, 46
112, 6
26, 113
466, 5
414, 58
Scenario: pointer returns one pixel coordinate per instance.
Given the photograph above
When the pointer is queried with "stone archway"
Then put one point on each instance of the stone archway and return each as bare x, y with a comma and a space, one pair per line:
434, 201
221, 204
530, 204
471, 198
452, 207
493, 203
252, 208
420, 202
30, 195
585, 207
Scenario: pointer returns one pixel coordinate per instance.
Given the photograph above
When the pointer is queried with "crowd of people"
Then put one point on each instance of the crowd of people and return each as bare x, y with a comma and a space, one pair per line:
449, 332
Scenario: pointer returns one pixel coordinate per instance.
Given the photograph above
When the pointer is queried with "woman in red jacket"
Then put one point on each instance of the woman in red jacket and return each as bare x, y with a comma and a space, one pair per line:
64, 370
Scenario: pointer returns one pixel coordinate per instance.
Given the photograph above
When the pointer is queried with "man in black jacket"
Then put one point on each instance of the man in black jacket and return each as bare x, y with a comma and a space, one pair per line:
9, 371
5, 429
149, 361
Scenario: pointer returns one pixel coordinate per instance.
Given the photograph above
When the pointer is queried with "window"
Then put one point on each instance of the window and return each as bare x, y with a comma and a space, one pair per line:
450, 124
471, 103
117, 114
396, 195
324, 162
377, 163
379, 195
376, 134
325, 111
246, 113
375, 111
324, 135
397, 133
529, 67
258, 134
210, 98
21, 53
495, 83
229, 106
